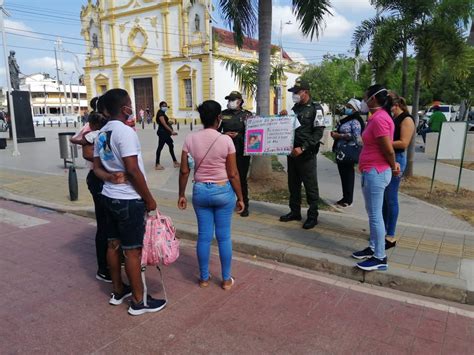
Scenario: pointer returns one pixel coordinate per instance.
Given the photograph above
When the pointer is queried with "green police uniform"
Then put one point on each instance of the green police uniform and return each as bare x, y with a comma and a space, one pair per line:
234, 121
302, 169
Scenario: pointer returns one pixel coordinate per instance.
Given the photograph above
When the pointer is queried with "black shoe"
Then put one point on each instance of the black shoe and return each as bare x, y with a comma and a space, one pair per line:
310, 223
363, 254
118, 298
290, 217
153, 305
103, 276
389, 244
245, 213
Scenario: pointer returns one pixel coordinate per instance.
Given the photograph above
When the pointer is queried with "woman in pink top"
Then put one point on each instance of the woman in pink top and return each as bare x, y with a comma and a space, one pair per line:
216, 183
376, 164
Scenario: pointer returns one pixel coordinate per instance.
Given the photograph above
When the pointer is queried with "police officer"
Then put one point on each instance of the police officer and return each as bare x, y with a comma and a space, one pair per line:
233, 124
302, 160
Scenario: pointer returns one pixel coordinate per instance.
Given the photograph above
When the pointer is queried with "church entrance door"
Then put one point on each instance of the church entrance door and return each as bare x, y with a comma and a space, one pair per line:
143, 88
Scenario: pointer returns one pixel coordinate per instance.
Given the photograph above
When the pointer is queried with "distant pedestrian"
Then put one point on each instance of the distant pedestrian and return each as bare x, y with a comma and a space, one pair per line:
435, 121
117, 149
376, 164
164, 132
404, 131
234, 120
216, 185
348, 131
302, 160
141, 115
148, 115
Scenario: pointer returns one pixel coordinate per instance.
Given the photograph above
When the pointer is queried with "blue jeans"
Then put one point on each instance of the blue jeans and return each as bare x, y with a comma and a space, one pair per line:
214, 205
390, 202
424, 132
373, 188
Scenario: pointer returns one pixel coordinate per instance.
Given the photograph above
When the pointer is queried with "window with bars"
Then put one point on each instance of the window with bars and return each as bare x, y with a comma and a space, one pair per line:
188, 90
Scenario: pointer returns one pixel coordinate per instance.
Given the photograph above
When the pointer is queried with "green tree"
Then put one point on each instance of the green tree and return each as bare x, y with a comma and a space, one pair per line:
333, 81
435, 29
241, 16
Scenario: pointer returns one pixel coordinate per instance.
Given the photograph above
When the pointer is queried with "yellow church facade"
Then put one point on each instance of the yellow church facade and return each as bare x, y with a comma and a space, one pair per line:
161, 51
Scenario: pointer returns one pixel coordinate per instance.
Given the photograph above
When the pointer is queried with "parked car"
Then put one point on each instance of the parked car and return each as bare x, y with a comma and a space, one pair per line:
447, 110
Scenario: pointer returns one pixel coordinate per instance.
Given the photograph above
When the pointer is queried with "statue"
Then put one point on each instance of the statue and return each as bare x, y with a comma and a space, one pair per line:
197, 23
14, 71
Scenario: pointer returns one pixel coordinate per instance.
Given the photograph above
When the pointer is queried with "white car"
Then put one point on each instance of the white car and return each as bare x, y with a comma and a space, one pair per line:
447, 110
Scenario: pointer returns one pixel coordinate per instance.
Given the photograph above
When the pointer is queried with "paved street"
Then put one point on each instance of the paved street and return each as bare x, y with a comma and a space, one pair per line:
50, 293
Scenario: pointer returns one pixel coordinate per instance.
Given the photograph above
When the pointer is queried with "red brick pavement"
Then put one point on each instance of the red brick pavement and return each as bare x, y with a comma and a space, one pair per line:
51, 303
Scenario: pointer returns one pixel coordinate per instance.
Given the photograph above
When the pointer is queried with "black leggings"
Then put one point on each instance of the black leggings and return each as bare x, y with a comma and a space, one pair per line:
162, 140
347, 174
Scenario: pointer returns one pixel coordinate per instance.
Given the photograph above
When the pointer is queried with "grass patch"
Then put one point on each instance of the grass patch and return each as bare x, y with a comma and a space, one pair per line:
330, 155
276, 165
466, 164
443, 195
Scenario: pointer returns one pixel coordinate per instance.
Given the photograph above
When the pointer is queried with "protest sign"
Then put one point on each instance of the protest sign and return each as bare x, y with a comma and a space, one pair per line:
270, 135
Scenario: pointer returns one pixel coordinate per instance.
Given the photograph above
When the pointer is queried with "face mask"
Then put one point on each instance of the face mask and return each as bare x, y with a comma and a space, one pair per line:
232, 105
296, 98
364, 109
347, 111
164, 109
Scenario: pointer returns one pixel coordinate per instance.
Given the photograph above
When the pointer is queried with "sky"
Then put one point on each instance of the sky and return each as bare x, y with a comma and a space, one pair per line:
34, 25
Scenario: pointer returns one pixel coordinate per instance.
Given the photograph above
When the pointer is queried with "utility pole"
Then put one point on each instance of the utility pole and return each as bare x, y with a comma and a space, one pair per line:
60, 48
58, 81
280, 95
16, 152
211, 49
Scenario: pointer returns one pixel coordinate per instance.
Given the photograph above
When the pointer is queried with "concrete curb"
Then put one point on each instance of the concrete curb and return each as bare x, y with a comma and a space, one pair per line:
435, 286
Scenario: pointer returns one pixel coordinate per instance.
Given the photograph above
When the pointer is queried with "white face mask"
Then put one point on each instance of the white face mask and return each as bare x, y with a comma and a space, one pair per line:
296, 98
164, 109
364, 109
232, 105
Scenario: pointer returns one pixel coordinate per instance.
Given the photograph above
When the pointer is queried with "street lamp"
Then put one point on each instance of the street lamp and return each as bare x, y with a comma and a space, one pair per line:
16, 152
281, 61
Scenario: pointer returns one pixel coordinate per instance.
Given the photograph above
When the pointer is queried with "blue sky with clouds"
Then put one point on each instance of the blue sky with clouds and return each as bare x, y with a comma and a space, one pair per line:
34, 25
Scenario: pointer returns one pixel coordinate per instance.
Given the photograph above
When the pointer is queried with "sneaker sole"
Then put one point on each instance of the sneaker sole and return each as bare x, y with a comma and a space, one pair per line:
100, 278
373, 268
115, 302
138, 312
362, 257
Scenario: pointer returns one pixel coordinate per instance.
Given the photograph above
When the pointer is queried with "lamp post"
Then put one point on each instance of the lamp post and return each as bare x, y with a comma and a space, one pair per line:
16, 152
280, 94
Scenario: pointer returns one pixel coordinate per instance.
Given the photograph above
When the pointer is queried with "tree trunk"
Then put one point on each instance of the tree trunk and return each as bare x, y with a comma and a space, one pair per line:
405, 71
261, 166
416, 104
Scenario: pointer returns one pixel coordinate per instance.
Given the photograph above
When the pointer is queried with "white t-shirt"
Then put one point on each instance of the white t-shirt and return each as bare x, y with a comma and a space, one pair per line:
114, 142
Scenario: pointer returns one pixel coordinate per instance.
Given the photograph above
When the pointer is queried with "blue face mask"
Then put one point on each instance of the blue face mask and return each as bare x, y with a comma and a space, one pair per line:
348, 111
164, 109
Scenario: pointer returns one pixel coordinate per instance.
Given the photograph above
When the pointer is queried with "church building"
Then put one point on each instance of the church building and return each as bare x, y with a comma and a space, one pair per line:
160, 50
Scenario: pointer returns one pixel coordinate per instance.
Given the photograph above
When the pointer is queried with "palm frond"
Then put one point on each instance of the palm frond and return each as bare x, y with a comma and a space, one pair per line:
365, 31
241, 17
310, 14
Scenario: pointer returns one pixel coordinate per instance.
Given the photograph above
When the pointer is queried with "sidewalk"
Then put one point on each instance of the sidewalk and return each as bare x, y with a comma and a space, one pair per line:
52, 304
428, 261
435, 254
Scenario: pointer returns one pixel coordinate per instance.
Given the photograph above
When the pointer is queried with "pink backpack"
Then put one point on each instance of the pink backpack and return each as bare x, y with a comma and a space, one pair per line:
160, 245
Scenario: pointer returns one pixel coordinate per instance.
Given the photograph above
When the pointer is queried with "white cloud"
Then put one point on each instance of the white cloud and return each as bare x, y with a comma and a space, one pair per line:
48, 64
337, 26
18, 27
298, 57
351, 5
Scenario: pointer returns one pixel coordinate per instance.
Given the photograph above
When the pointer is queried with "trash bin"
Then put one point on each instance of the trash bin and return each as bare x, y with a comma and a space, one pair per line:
65, 147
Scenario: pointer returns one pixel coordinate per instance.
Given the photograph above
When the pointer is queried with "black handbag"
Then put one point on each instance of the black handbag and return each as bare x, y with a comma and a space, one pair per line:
348, 152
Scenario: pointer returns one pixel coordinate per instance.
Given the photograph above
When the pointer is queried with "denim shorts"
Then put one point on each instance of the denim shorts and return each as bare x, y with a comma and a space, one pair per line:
125, 221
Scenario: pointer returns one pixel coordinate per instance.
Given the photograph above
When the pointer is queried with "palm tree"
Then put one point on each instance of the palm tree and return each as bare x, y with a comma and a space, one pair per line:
241, 17
435, 29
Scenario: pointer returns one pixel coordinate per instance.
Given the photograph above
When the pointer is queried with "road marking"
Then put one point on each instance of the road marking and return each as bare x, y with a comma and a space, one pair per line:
20, 220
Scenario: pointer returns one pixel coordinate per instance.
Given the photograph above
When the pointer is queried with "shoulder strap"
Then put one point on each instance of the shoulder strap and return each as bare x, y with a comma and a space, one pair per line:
205, 155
